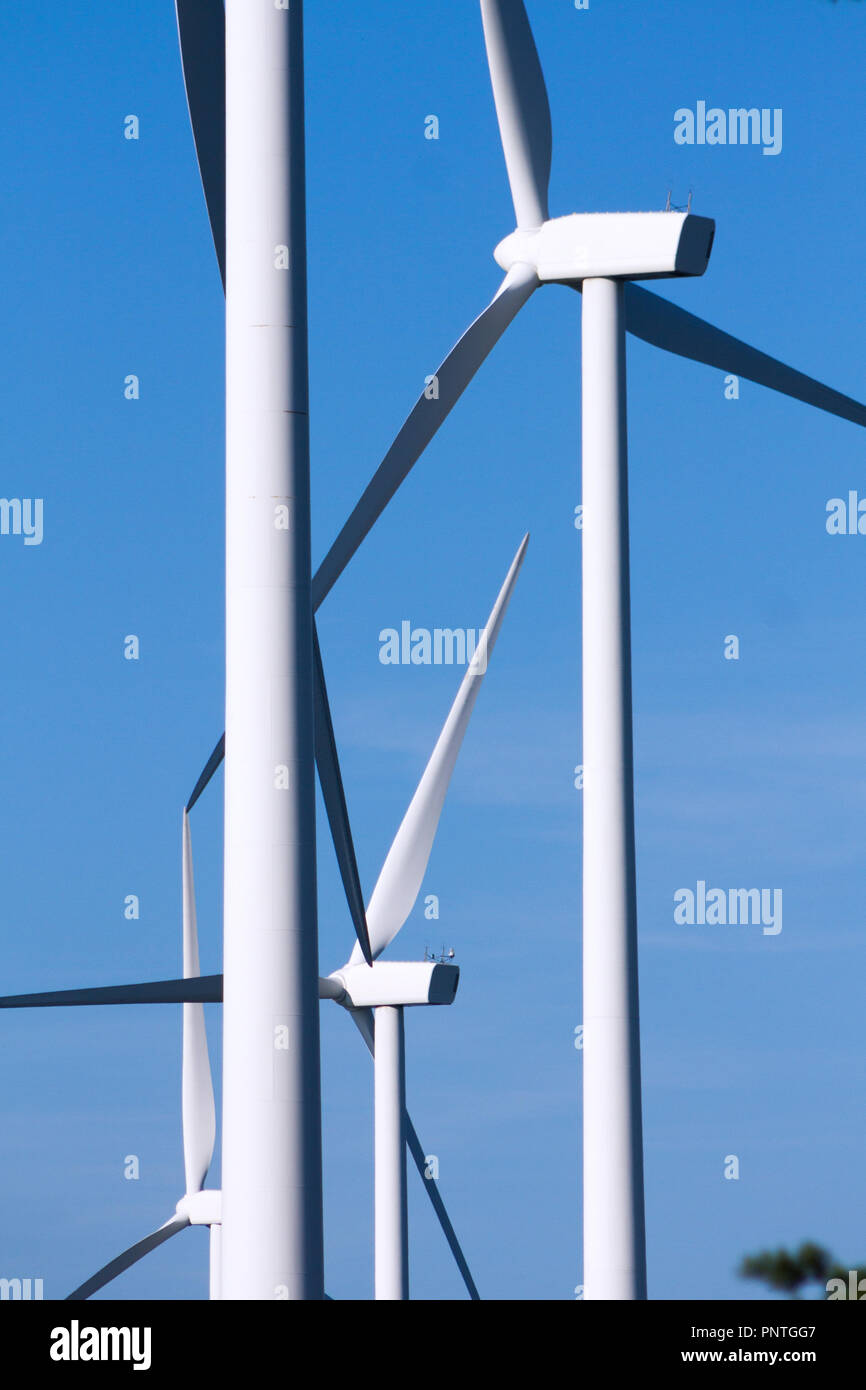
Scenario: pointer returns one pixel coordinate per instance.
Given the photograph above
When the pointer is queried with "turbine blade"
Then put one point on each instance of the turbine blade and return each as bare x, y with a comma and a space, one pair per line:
417, 1151
403, 871
129, 1257
335, 801
206, 989
667, 326
522, 108
364, 1022
453, 376
199, 1114
208, 771
203, 989
201, 30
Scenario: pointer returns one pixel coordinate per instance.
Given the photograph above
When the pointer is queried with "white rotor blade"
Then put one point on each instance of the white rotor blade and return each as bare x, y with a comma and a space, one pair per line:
522, 108
666, 325
403, 871
199, 1118
129, 1257
453, 377
201, 30
207, 988
334, 796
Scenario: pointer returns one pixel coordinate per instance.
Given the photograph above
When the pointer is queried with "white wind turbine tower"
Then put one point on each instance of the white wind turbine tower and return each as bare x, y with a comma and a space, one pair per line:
598, 254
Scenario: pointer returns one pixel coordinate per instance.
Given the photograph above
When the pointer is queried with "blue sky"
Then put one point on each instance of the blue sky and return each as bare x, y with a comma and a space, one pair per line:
748, 773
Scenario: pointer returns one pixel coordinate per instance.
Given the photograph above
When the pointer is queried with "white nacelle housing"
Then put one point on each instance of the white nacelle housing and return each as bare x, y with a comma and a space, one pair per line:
613, 245
202, 1208
397, 982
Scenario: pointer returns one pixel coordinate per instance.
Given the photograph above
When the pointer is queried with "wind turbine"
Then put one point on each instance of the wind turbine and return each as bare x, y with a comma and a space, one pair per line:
198, 1206
377, 997
600, 255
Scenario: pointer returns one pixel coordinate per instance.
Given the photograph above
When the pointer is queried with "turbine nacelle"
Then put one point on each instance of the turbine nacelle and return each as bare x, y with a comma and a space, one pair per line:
397, 983
203, 1208
612, 245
